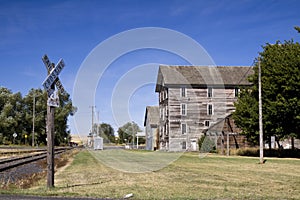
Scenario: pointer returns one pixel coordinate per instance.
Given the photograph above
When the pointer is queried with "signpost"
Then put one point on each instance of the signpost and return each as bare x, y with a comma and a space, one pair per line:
52, 102
15, 135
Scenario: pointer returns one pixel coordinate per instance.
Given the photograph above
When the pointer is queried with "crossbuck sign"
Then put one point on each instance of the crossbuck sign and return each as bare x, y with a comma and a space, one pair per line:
49, 67
51, 80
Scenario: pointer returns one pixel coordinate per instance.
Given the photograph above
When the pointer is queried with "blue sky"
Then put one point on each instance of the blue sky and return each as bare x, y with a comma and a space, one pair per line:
231, 31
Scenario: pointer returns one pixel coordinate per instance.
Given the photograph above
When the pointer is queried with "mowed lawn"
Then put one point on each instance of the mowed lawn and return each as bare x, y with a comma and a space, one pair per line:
188, 177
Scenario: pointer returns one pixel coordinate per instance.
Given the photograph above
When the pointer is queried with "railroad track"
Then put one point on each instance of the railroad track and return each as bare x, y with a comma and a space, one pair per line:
11, 151
8, 163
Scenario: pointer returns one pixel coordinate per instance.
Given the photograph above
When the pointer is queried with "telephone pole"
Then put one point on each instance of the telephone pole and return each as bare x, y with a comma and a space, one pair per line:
92, 130
33, 120
261, 138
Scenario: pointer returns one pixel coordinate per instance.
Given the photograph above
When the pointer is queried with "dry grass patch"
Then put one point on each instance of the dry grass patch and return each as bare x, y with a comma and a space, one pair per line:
189, 177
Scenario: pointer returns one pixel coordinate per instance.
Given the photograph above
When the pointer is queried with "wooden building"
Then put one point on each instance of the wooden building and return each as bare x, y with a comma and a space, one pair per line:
151, 123
193, 98
226, 135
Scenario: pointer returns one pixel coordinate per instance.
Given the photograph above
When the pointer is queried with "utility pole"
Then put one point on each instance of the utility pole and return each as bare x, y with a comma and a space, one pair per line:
133, 133
98, 124
33, 120
261, 138
92, 118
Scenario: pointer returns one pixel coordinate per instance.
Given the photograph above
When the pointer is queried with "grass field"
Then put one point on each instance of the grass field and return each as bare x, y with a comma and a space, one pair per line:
189, 177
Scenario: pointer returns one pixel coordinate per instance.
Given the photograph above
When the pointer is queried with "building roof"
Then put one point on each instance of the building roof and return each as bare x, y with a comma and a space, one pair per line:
152, 113
202, 76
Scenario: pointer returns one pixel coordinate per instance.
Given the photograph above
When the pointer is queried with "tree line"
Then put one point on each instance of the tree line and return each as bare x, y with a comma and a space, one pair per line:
280, 72
19, 116
127, 133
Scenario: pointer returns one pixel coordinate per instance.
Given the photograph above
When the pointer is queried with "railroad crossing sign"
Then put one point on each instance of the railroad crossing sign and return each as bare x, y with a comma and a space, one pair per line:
53, 101
52, 79
49, 67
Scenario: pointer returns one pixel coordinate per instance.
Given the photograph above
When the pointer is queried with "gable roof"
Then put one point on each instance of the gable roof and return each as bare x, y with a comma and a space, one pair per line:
202, 76
152, 113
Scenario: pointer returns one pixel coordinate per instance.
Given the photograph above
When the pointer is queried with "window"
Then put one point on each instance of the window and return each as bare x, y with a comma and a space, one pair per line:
161, 113
167, 129
160, 97
183, 92
209, 109
206, 123
183, 109
184, 145
183, 128
236, 92
209, 92
167, 111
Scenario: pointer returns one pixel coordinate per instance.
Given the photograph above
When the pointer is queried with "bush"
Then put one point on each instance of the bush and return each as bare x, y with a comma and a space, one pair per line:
206, 145
282, 153
248, 152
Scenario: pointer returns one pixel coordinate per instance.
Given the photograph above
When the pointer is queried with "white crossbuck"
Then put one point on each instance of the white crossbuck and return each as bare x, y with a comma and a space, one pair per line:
50, 66
50, 80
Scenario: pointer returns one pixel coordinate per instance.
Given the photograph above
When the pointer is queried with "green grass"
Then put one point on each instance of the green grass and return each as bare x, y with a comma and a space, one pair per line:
189, 177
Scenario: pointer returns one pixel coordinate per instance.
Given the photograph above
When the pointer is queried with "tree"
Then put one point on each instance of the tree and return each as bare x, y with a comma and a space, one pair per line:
66, 109
106, 132
280, 66
11, 115
16, 116
36, 98
128, 131
246, 114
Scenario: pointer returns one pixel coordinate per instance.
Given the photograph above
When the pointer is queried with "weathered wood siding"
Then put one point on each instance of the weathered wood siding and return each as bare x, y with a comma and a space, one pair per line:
196, 101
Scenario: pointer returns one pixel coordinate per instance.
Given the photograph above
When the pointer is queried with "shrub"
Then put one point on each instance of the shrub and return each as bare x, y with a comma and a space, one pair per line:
282, 153
248, 152
206, 144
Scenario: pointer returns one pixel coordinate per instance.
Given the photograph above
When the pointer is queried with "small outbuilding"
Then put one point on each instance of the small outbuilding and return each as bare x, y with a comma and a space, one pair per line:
98, 143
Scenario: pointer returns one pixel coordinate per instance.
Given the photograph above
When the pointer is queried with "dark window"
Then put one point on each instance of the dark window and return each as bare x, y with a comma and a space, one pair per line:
183, 92
236, 92
210, 109
209, 92
184, 145
206, 123
183, 128
183, 109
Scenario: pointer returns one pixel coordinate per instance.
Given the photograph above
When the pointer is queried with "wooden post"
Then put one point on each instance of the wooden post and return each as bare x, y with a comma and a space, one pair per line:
52, 102
50, 146
227, 144
33, 119
222, 143
261, 138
